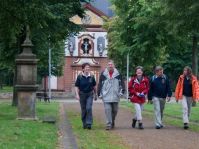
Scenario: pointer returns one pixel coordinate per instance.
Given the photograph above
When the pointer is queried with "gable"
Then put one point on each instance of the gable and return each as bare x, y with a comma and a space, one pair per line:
90, 19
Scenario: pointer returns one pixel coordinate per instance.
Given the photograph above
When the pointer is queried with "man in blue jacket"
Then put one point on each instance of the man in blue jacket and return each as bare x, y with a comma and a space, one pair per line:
160, 90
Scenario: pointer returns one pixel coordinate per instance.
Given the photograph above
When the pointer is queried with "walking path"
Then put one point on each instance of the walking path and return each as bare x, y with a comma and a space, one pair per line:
66, 137
169, 137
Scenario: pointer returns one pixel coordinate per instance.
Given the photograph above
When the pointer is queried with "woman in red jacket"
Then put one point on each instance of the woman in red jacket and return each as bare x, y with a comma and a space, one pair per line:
138, 88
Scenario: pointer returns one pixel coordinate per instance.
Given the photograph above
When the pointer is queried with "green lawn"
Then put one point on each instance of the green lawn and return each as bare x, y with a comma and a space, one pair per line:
19, 134
97, 138
172, 114
6, 89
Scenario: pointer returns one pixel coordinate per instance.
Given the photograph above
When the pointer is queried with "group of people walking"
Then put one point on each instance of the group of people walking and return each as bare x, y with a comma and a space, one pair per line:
111, 88
158, 90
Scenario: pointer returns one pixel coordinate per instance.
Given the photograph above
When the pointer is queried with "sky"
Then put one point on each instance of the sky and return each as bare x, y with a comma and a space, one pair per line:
103, 5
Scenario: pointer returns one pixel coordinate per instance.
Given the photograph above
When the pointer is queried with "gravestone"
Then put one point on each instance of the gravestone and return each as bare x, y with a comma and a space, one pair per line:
26, 86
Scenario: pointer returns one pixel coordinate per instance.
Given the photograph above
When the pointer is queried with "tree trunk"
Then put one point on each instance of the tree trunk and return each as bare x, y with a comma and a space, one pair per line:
15, 99
1, 84
195, 59
195, 56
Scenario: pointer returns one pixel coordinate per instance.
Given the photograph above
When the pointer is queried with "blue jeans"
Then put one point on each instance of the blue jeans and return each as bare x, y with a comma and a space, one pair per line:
86, 102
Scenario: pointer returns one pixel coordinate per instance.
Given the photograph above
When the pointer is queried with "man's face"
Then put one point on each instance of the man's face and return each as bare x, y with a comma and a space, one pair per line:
159, 72
86, 69
111, 66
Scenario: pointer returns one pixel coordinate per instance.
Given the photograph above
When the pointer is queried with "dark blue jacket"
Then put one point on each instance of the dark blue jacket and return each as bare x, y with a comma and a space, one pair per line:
159, 87
85, 84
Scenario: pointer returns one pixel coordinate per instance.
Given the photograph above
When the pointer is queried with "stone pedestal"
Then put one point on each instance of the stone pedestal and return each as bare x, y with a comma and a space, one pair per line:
26, 105
26, 81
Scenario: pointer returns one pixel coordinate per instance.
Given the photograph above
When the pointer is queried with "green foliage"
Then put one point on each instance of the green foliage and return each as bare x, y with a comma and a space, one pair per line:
132, 30
6, 75
6, 89
179, 56
182, 21
157, 32
49, 23
182, 16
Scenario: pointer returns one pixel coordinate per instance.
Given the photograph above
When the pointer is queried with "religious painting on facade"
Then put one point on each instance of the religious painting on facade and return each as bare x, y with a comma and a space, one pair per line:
86, 46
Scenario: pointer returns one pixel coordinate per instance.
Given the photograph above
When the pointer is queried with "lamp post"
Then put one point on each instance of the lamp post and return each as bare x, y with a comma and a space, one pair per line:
127, 75
49, 72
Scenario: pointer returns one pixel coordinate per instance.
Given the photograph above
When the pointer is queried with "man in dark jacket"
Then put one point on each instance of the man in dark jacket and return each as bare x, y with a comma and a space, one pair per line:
110, 88
159, 90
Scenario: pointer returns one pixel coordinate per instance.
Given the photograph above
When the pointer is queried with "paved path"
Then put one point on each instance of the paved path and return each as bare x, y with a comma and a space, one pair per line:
169, 137
66, 137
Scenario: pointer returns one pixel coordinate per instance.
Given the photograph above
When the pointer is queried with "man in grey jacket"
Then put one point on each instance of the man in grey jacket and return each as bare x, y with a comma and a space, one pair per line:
110, 88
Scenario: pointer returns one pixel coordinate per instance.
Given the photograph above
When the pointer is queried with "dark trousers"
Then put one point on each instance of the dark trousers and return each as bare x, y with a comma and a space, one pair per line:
86, 102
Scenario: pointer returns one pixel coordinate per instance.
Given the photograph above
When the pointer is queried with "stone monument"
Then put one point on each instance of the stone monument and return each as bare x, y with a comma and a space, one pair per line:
26, 82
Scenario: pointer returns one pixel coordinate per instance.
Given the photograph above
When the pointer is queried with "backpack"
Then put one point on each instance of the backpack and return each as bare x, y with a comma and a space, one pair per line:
153, 77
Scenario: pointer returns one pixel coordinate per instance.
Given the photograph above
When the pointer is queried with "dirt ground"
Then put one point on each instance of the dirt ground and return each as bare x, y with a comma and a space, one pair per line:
169, 137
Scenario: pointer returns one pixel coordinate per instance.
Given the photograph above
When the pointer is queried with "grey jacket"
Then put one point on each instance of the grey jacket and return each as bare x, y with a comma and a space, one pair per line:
110, 89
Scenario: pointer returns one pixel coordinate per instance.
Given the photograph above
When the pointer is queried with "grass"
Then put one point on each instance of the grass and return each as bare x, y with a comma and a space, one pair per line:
6, 89
19, 134
94, 139
172, 114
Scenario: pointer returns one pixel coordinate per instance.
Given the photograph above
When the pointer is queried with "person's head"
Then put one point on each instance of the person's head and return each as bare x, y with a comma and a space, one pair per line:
139, 71
159, 70
110, 66
187, 71
86, 67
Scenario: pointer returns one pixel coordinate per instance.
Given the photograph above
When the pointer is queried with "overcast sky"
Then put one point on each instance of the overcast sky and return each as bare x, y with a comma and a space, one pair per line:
103, 5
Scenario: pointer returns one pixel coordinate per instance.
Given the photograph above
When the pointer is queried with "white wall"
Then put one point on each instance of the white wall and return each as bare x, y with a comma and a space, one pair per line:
53, 82
96, 35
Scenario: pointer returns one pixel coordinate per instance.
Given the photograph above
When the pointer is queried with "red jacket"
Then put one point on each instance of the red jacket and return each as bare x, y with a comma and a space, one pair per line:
138, 87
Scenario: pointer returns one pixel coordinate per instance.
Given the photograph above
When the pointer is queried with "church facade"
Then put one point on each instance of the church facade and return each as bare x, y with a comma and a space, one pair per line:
89, 46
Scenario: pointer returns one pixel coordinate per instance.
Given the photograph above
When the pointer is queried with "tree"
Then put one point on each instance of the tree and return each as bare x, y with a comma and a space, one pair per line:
132, 30
183, 21
154, 32
50, 25
179, 56
49, 22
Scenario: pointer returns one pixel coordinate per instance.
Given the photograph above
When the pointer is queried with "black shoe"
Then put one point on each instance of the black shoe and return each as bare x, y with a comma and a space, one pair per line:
186, 126
84, 126
157, 127
134, 123
140, 126
113, 125
89, 127
161, 126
